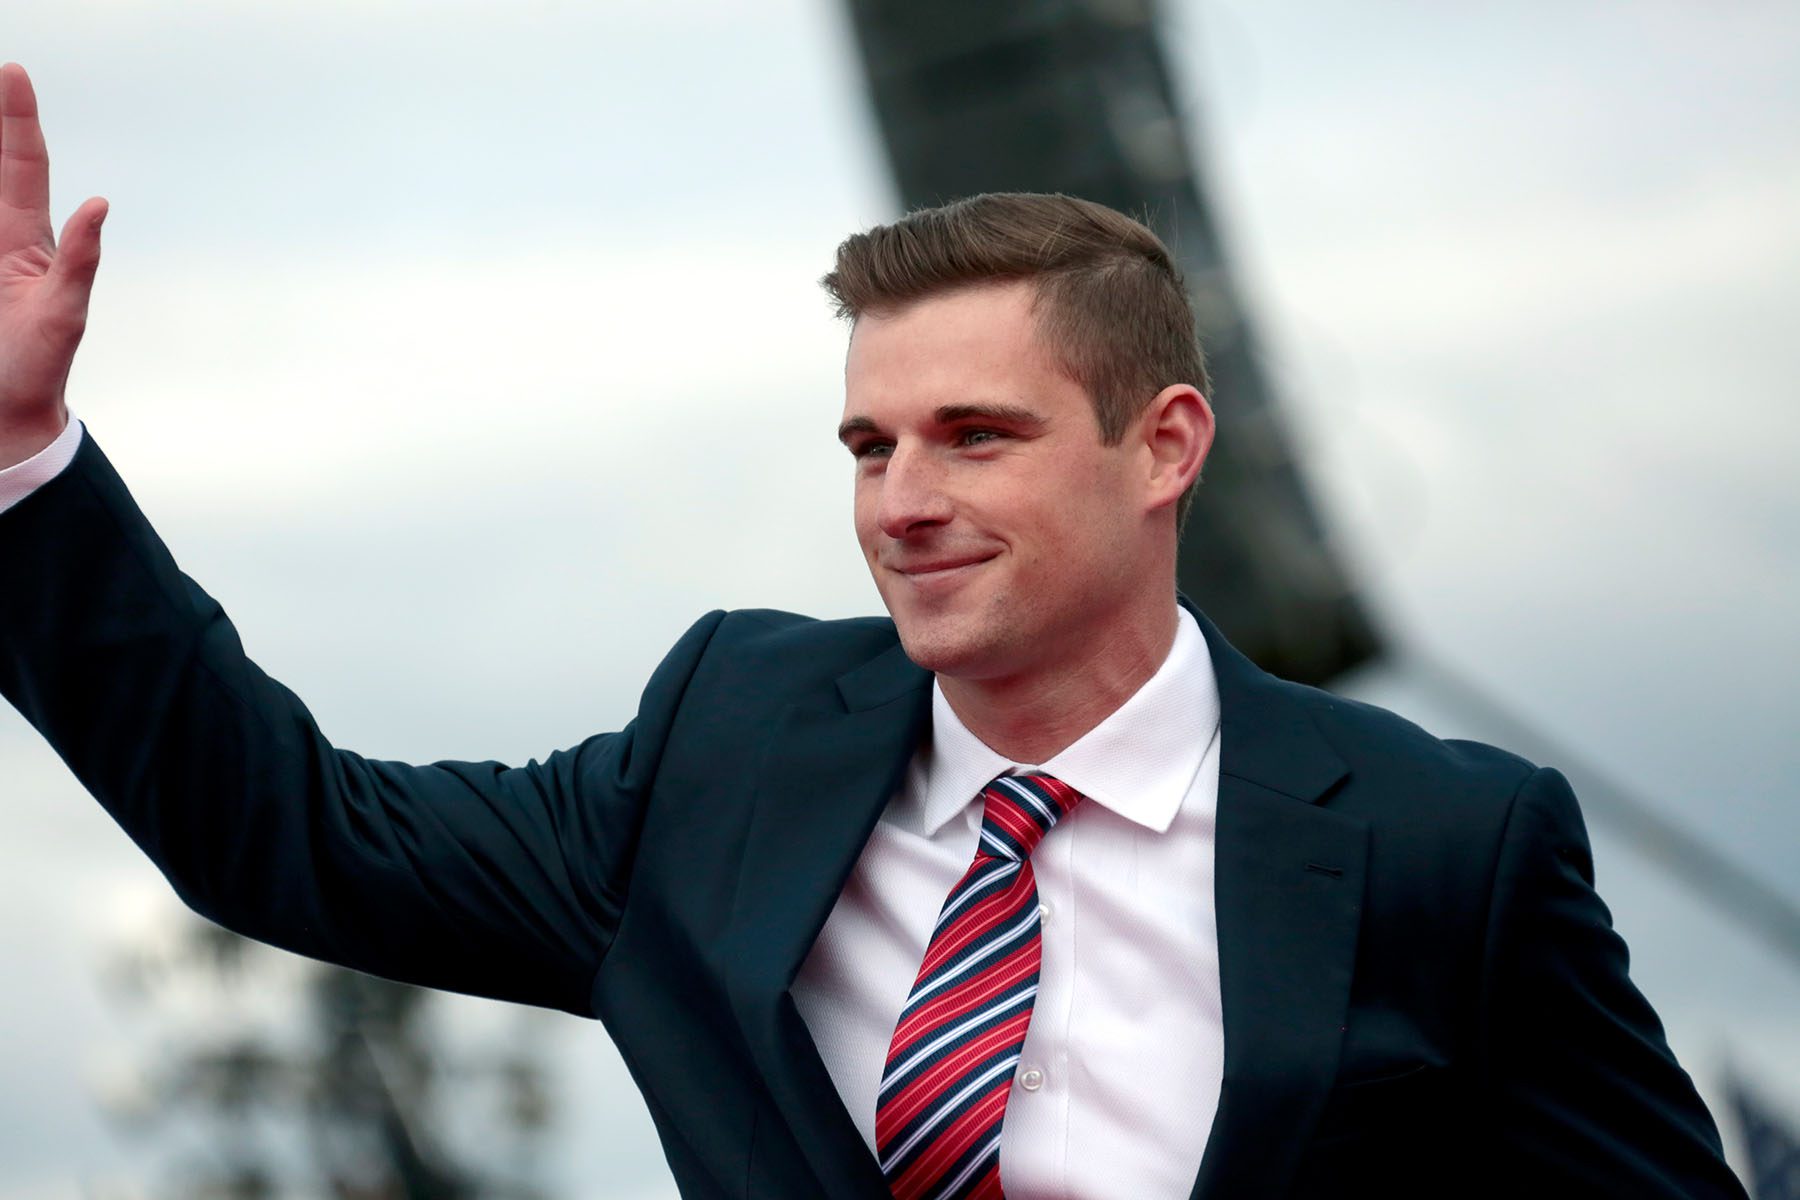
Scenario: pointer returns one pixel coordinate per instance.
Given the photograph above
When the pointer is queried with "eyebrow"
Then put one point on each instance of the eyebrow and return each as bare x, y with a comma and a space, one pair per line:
950, 414
854, 426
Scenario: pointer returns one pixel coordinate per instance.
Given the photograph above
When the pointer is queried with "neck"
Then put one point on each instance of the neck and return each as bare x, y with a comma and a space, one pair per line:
1032, 716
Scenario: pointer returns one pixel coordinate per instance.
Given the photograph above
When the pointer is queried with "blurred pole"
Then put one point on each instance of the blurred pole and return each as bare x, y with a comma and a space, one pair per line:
1073, 96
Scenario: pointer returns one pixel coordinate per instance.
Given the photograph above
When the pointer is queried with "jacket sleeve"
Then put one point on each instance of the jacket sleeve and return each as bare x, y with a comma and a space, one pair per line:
475, 877
1583, 1090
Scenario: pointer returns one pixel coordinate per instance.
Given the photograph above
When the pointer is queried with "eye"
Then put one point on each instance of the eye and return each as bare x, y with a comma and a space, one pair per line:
978, 437
873, 448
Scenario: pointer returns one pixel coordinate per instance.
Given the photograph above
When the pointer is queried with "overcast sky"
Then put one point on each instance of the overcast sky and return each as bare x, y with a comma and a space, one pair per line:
467, 351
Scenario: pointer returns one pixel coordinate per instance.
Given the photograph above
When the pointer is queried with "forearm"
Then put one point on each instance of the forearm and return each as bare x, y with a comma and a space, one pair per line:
25, 434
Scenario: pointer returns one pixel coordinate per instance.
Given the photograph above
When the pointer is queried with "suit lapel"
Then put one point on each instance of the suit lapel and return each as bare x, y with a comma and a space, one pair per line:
827, 774
1288, 886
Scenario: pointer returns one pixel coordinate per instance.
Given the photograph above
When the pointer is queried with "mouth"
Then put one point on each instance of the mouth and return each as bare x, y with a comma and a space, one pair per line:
938, 574
942, 565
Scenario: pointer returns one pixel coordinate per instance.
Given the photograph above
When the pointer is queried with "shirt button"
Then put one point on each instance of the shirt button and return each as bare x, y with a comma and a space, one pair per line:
1031, 1080
1043, 913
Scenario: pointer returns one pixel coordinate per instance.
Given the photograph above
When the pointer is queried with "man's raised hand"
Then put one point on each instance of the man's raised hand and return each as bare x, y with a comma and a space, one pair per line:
44, 283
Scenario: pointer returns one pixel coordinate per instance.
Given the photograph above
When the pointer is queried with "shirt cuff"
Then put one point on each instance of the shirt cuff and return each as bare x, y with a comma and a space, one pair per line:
22, 479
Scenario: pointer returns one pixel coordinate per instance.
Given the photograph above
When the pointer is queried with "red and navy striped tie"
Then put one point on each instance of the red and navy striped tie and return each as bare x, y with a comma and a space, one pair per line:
956, 1045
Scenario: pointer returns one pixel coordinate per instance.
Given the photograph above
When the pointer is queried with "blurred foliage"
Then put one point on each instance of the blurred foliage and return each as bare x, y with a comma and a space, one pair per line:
262, 1076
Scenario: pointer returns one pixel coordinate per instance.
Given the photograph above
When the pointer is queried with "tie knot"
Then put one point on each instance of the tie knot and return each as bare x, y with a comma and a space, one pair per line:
1021, 809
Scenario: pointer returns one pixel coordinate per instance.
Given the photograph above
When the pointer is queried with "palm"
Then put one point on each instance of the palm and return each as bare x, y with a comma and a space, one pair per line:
44, 283
30, 356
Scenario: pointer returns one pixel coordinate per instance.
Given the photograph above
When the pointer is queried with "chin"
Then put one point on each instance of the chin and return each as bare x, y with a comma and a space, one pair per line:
944, 650
925, 644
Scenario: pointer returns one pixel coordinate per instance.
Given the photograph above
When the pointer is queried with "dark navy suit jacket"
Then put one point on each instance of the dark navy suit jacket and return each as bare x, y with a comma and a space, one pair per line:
1423, 994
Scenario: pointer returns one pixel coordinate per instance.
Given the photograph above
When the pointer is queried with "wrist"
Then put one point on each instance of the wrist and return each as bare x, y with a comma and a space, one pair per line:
22, 438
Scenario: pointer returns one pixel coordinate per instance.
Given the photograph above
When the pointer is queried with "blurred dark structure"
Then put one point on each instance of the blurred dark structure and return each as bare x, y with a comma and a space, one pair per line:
1074, 96
349, 1100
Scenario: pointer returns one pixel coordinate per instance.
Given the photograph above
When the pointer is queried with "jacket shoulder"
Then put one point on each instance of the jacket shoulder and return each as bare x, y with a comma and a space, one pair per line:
774, 632
1370, 736
789, 655
1390, 756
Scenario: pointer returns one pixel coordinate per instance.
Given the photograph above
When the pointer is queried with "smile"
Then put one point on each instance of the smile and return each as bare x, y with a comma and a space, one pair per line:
936, 576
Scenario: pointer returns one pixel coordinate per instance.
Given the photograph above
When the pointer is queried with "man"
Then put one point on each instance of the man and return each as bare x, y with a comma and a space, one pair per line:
1036, 888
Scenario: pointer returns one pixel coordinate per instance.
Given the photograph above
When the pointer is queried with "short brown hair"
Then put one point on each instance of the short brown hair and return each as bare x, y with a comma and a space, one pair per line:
1111, 305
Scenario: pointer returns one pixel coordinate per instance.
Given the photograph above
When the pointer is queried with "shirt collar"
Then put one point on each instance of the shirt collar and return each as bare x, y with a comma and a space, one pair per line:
1139, 762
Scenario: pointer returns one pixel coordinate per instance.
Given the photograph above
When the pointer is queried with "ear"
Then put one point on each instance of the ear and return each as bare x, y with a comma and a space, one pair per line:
1177, 428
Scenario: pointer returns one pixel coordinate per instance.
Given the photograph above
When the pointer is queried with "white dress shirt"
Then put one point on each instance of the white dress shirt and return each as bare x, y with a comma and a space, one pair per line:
21, 479
1122, 1064
1120, 1072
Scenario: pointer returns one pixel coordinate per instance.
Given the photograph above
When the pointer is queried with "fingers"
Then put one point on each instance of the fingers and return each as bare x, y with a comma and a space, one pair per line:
78, 250
25, 192
24, 165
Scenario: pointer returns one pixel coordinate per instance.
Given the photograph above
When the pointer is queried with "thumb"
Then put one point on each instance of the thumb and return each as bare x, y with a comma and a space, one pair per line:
78, 250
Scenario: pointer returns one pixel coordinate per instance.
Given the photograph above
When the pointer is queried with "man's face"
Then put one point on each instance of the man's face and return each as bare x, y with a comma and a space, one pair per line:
1002, 534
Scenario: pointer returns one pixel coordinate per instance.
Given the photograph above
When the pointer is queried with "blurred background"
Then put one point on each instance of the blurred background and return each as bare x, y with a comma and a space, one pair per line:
468, 351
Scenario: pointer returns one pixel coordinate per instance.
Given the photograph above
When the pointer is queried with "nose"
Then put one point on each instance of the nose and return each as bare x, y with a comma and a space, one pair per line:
912, 493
